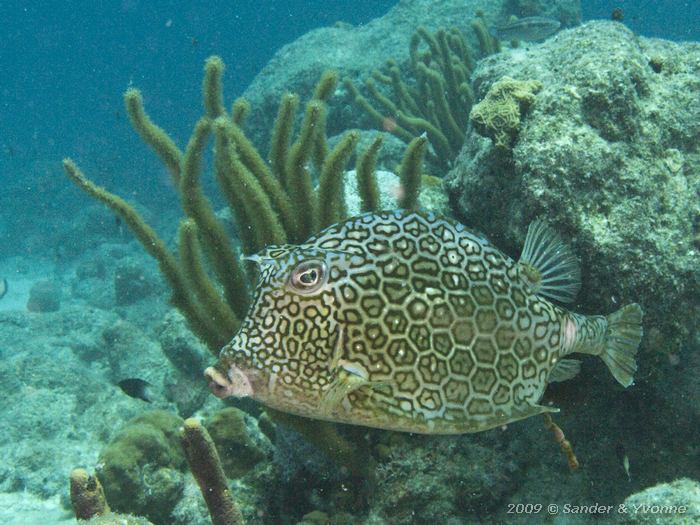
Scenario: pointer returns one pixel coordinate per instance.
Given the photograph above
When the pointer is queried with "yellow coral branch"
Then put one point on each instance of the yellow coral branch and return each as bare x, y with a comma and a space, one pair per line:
153, 135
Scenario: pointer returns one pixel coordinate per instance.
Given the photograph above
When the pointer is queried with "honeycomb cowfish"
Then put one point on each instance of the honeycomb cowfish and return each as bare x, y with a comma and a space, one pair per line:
408, 321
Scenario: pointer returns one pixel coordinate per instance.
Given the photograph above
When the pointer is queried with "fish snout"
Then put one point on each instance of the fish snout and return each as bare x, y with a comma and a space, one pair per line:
218, 384
234, 383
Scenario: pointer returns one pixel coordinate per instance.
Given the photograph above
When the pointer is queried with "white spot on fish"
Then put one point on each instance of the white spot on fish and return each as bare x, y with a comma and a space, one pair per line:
569, 335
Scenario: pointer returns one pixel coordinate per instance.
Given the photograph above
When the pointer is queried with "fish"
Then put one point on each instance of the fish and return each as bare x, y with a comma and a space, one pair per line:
624, 459
412, 322
136, 388
529, 29
3, 288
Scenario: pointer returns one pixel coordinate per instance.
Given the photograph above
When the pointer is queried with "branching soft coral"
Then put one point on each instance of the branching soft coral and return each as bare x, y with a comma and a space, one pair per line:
437, 100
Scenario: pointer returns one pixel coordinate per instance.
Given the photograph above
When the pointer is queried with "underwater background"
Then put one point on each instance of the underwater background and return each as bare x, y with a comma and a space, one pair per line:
605, 144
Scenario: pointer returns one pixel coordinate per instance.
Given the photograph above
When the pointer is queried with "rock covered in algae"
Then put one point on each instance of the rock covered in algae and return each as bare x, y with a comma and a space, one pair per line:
117, 519
446, 480
132, 283
675, 503
44, 296
609, 154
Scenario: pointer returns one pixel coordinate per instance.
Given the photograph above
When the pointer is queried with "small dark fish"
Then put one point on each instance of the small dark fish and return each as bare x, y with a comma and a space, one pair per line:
624, 459
136, 388
530, 29
617, 15
3, 288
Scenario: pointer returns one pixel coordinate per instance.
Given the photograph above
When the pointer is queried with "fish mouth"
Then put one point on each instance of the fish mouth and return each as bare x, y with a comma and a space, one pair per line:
234, 383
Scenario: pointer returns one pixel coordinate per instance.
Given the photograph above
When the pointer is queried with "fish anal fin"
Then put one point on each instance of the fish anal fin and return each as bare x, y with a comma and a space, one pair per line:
530, 409
564, 370
522, 410
548, 265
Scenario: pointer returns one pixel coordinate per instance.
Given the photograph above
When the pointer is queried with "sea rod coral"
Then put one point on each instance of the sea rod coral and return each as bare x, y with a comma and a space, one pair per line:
437, 100
272, 203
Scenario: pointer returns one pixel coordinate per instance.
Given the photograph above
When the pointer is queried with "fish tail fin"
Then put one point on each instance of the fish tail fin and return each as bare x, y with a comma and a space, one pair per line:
622, 340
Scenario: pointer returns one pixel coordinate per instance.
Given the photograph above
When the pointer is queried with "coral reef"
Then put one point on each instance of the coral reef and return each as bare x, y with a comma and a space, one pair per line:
89, 501
131, 283
58, 388
604, 102
187, 355
438, 480
182, 349
87, 495
271, 205
116, 519
568, 12
356, 51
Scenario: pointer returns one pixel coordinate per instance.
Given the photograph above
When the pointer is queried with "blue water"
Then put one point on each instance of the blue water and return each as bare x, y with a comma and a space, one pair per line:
670, 19
66, 64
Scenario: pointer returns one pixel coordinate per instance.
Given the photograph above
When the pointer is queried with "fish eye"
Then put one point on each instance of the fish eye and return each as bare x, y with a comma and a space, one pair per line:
308, 276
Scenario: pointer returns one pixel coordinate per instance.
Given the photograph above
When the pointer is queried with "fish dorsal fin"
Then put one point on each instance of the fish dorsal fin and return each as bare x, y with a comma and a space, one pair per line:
564, 370
548, 264
268, 254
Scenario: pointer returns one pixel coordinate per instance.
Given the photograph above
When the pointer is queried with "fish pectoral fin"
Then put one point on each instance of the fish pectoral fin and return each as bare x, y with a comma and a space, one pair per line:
349, 377
564, 370
548, 265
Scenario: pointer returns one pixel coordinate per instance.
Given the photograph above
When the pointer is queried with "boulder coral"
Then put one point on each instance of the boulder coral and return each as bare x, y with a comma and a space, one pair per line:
141, 469
499, 114
237, 446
